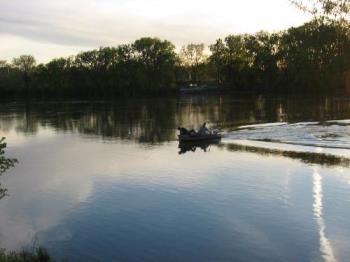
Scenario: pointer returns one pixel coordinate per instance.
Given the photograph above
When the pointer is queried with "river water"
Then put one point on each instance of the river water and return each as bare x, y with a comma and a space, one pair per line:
108, 181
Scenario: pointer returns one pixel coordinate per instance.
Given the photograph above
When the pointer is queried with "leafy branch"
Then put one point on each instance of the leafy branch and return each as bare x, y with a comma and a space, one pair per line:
331, 9
5, 164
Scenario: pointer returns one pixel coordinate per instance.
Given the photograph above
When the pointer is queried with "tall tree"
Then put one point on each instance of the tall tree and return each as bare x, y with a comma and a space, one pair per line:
157, 59
3, 63
217, 58
192, 56
334, 9
4, 66
26, 64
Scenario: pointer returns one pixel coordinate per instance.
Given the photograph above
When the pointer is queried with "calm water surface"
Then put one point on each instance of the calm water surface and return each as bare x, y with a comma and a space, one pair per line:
107, 181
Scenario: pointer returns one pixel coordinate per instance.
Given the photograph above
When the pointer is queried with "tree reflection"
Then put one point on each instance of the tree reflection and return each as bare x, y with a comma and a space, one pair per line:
154, 120
5, 164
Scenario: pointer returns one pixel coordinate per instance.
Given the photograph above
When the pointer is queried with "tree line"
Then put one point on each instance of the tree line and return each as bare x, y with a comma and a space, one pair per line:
314, 57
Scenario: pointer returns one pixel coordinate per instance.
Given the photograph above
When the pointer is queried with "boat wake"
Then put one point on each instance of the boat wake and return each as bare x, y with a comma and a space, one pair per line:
328, 138
330, 134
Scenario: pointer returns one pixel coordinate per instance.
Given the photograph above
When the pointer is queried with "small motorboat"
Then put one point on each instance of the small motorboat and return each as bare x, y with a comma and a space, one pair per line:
199, 137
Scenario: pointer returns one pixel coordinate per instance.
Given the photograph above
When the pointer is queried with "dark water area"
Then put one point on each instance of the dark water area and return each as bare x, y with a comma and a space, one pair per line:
108, 180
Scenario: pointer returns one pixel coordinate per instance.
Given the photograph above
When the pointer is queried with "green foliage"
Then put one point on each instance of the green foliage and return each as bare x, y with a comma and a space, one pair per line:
315, 55
147, 64
25, 63
192, 59
245, 61
330, 9
37, 255
155, 60
312, 57
5, 164
10, 78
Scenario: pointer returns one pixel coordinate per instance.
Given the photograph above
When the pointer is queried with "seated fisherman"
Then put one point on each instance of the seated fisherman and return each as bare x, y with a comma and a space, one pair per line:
203, 130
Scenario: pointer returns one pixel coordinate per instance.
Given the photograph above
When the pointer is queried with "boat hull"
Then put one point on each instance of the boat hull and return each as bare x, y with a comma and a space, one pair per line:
194, 138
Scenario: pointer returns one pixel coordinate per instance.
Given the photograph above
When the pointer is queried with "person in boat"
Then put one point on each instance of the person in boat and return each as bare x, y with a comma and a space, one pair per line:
203, 130
184, 131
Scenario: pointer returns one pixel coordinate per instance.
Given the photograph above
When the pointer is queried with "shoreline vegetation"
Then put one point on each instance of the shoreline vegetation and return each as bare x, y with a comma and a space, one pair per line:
37, 254
5, 164
312, 58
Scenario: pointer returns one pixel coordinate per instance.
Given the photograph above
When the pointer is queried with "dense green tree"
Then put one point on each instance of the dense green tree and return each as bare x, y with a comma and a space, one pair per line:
157, 60
314, 56
10, 78
234, 58
192, 57
26, 64
217, 59
262, 48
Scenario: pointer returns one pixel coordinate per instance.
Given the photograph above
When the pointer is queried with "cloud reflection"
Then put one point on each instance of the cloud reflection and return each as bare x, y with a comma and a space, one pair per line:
59, 176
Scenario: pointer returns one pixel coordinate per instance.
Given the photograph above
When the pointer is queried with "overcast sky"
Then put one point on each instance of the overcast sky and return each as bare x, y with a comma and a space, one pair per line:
48, 28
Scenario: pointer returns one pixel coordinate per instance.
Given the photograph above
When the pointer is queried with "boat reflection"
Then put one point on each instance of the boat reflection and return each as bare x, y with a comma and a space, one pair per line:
192, 146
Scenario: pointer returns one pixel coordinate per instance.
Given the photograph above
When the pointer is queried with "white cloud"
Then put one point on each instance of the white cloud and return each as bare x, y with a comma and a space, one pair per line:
90, 23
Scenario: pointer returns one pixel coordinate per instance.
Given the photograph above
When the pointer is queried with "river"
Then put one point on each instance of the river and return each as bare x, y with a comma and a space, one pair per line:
108, 181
